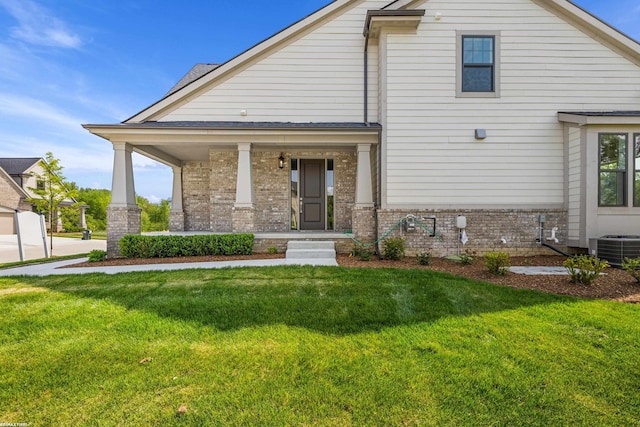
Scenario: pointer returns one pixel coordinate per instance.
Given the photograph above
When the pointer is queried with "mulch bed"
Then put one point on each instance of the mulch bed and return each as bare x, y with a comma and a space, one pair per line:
615, 284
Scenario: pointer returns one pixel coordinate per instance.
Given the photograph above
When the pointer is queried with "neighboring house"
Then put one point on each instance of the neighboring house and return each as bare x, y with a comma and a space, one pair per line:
23, 172
12, 198
520, 115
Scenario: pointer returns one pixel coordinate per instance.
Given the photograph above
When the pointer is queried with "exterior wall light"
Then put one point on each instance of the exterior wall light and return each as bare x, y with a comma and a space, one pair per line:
281, 161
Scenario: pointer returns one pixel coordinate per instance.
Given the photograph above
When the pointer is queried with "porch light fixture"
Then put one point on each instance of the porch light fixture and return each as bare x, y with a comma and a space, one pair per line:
281, 161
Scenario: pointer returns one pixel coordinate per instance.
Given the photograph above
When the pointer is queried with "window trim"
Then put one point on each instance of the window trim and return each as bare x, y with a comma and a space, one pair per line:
625, 171
496, 64
636, 183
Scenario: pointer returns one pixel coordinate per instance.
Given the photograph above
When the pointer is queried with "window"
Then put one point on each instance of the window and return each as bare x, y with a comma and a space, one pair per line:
40, 185
613, 170
478, 64
636, 174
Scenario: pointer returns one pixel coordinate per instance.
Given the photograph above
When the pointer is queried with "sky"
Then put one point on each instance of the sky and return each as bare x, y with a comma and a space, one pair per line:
68, 62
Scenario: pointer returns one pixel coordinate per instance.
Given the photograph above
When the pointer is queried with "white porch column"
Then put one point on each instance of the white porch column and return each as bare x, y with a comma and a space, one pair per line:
82, 223
364, 187
123, 215
123, 193
244, 183
176, 195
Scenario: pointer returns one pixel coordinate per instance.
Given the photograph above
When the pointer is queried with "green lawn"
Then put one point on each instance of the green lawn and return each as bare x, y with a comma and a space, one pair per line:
95, 235
311, 346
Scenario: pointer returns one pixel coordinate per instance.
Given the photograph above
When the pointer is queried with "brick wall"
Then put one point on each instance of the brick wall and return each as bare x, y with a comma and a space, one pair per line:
196, 196
222, 190
485, 230
271, 192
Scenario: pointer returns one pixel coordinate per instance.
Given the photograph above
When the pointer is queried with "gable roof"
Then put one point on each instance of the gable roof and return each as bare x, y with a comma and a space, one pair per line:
18, 165
200, 76
5, 175
240, 59
193, 74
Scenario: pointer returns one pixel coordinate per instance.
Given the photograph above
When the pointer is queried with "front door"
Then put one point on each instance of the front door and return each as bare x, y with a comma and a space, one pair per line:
312, 194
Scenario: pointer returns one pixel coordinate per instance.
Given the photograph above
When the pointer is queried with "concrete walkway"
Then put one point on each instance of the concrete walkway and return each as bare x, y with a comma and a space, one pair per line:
53, 268
61, 246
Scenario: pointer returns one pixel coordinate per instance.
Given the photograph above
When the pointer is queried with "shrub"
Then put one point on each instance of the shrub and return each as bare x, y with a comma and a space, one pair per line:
466, 258
424, 258
97, 255
138, 246
632, 266
272, 250
362, 252
497, 262
584, 269
394, 248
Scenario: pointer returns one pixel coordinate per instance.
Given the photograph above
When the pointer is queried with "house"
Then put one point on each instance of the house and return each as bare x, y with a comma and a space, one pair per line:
17, 178
509, 122
12, 197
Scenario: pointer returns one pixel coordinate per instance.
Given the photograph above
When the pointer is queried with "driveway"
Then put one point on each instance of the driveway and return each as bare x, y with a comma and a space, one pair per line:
61, 246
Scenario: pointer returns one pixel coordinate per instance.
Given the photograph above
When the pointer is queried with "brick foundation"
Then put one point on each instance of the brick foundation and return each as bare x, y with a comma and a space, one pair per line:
120, 222
176, 221
243, 220
485, 230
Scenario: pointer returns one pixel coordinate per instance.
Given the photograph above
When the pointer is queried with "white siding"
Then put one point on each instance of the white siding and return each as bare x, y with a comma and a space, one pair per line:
574, 180
317, 77
547, 65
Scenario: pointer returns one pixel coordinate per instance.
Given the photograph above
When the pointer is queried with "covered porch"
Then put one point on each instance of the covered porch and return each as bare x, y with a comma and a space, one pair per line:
279, 181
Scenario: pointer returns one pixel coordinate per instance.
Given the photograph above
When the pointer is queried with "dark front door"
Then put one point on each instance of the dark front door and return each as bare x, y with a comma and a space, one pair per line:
312, 197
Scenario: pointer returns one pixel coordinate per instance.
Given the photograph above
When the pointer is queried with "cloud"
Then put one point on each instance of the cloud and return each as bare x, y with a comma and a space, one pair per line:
36, 110
38, 26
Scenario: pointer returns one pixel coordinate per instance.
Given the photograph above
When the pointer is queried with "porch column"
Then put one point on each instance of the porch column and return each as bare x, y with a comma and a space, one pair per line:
363, 216
123, 215
243, 216
176, 216
82, 223
364, 188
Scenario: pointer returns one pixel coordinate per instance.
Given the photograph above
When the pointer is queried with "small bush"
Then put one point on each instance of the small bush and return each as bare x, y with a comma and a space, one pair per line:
497, 262
97, 255
272, 250
394, 248
584, 269
138, 246
466, 259
361, 252
632, 266
423, 258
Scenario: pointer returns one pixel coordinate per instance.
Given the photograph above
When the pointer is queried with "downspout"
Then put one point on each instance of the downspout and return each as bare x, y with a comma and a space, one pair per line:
366, 122
366, 78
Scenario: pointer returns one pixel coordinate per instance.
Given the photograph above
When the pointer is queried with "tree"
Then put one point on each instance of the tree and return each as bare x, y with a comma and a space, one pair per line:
154, 217
51, 190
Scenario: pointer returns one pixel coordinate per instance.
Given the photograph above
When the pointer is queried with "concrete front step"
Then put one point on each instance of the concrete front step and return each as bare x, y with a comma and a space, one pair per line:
306, 249
311, 244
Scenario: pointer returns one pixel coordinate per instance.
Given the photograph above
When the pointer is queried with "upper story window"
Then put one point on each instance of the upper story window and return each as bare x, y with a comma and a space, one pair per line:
613, 170
478, 64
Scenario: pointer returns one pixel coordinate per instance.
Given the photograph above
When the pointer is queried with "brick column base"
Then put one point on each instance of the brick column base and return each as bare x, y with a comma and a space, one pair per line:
176, 221
244, 220
120, 222
364, 224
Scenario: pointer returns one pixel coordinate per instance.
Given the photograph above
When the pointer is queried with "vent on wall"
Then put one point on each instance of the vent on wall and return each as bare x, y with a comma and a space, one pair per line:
615, 248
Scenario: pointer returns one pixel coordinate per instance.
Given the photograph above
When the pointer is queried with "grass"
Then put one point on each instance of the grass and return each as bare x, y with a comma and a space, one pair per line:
95, 235
311, 346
